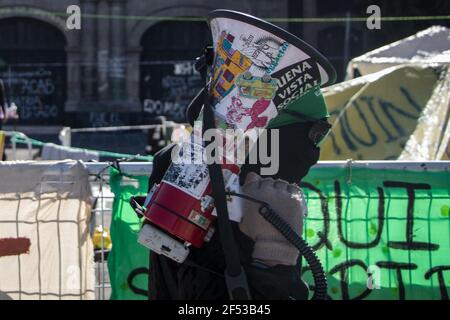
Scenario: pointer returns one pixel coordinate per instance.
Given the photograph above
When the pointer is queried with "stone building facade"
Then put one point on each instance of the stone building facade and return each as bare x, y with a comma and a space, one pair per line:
127, 64
99, 66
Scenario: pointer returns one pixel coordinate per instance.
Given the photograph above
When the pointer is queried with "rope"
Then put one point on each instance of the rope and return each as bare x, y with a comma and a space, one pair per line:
18, 139
168, 124
203, 19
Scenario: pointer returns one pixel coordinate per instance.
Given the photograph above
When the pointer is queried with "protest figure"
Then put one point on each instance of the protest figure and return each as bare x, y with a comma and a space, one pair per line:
204, 244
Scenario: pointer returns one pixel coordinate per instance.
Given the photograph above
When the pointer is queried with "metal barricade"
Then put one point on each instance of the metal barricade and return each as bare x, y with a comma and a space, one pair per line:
102, 215
102, 212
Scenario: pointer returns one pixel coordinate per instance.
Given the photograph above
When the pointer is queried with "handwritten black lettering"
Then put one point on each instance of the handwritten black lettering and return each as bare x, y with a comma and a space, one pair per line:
398, 267
439, 270
133, 274
410, 244
351, 244
342, 268
323, 235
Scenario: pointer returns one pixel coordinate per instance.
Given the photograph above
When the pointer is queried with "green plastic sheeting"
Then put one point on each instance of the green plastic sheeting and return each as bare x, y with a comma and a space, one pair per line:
388, 230
392, 224
128, 260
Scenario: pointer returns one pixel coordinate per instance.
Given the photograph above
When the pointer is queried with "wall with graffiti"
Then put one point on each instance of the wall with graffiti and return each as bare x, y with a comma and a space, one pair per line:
168, 87
39, 91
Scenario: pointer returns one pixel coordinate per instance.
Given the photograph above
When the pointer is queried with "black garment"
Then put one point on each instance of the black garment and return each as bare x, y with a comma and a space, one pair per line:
297, 153
170, 280
194, 279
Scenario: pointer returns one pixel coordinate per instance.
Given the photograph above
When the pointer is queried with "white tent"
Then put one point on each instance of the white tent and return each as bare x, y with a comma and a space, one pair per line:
431, 45
410, 76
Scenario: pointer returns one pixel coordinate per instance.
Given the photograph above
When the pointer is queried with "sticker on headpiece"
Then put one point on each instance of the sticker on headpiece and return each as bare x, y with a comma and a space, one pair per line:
259, 69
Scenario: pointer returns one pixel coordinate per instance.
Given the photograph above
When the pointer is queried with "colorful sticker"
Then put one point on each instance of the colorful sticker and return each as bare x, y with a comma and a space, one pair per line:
187, 172
294, 81
229, 63
199, 219
237, 112
264, 51
254, 87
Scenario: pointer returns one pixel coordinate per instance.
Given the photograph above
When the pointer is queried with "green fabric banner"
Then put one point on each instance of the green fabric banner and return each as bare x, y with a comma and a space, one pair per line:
380, 234
128, 260
388, 230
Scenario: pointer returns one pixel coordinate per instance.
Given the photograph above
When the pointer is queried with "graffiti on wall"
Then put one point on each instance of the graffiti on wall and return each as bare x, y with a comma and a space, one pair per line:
38, 92
168, 88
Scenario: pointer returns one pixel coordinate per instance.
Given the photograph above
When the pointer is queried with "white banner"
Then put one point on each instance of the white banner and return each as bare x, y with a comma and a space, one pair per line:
45, 247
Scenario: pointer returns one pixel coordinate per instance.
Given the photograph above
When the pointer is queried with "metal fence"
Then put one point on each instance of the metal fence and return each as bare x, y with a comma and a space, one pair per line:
102, 212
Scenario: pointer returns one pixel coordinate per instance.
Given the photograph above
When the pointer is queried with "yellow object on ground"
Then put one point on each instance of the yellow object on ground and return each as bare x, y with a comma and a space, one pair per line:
2, 144
99, 233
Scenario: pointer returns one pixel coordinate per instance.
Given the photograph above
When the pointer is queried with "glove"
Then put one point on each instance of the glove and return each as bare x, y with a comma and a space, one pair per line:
271, 247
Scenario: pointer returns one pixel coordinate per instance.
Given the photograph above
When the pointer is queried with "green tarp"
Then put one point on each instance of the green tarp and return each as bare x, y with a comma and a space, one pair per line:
393, 222
128, 260
388, 230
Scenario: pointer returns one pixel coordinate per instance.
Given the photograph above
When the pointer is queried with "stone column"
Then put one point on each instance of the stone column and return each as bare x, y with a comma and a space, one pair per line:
117, 59
88, 49
103, 52
73, 79
133, 77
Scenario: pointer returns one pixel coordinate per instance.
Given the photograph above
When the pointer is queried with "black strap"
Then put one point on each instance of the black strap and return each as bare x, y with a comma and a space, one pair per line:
169, 278
235, 276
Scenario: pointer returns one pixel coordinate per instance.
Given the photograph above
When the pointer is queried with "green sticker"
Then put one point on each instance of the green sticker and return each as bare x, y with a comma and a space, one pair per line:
373, 229
310, 233
337, 252
445, 210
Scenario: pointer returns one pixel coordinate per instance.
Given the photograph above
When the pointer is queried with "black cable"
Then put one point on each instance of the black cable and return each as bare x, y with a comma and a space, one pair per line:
320, 278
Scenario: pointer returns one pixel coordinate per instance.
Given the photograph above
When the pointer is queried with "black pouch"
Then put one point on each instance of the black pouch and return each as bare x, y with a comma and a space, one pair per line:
276, 283
319, 131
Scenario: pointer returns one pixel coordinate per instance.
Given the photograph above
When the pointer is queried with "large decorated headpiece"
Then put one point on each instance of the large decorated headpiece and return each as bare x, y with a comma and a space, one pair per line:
260, 70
